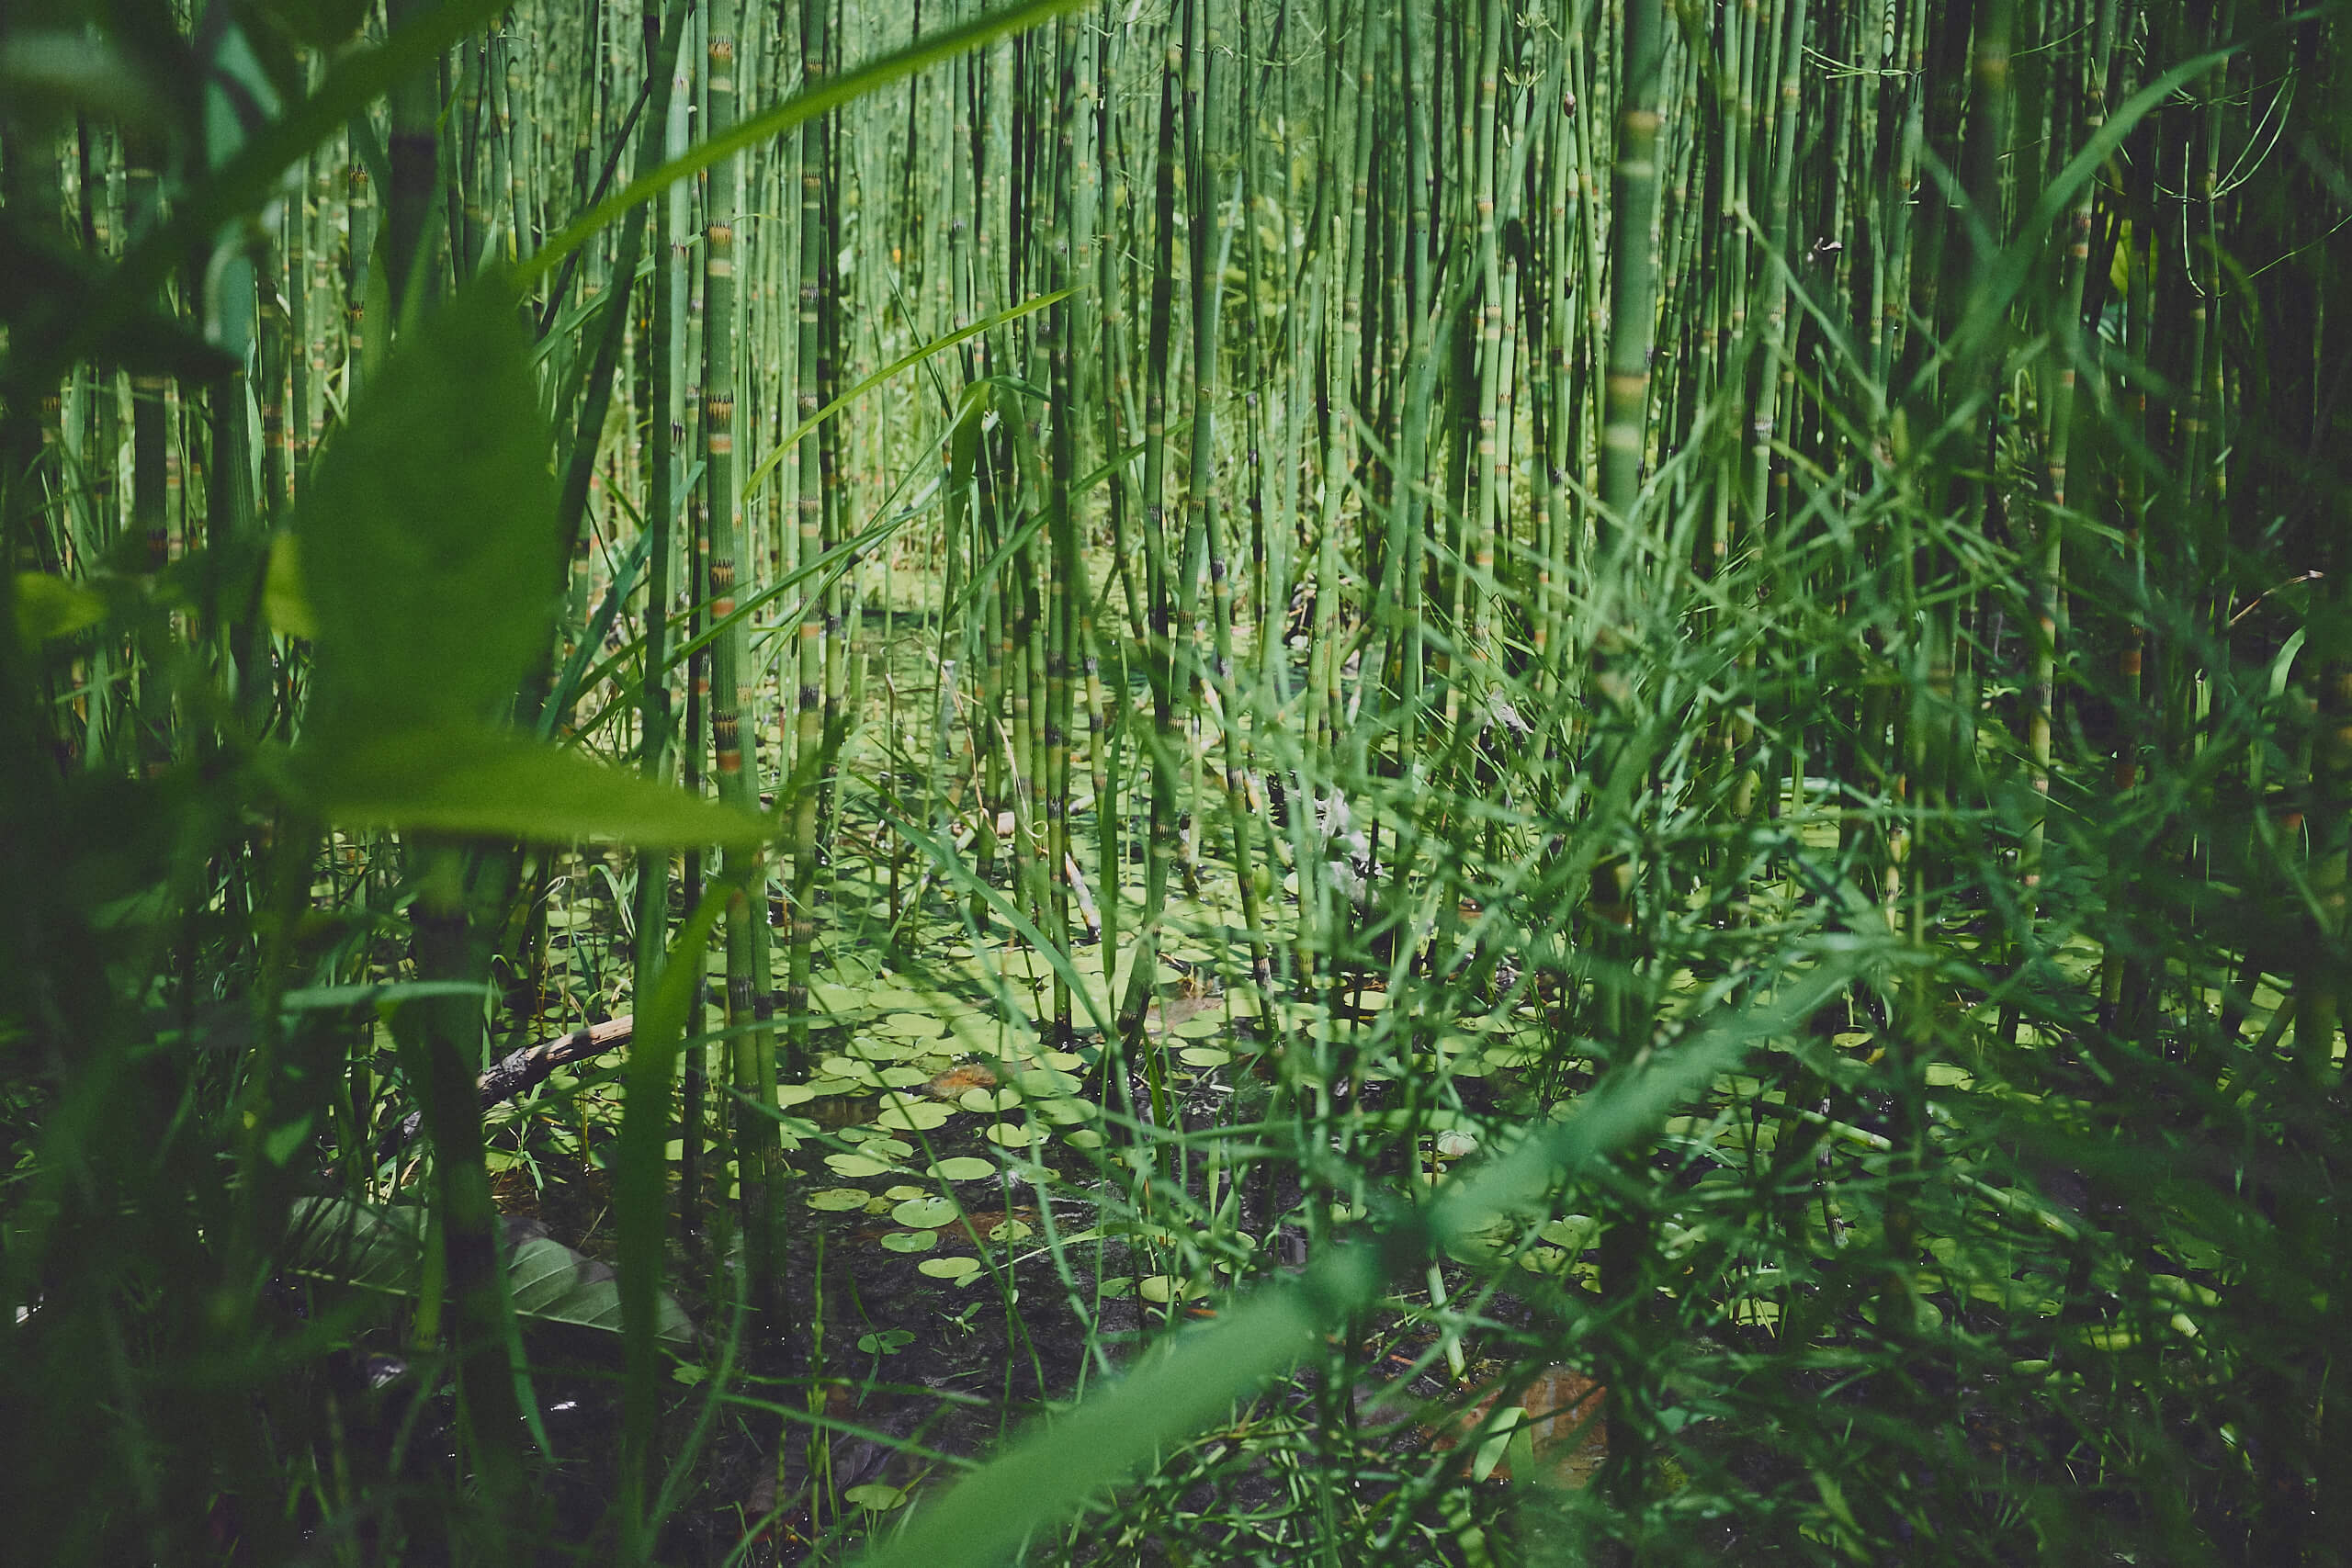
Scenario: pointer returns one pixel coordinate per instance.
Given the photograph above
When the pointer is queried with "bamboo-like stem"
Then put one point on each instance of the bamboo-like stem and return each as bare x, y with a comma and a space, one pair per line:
758, 1153
664, 505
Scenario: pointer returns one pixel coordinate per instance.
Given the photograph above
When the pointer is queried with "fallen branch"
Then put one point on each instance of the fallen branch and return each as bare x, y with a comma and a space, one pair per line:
527, 1069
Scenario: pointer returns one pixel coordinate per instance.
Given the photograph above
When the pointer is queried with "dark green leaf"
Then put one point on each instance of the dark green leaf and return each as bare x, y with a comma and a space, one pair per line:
428, 543
382, 1250
474, 780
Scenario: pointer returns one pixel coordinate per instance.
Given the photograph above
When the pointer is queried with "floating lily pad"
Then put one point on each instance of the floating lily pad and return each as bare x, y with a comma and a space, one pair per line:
1574, 1233
1068, 1061
855, 1167
788, 1094
958, 1267
911, 1241
1204, 1056
903, 1113
925, 1213
985, 1101
903, 1077
1039, 1081
1199, 1028
912, 1026
877, 1145
1010, 1134
1164, 1288
874, 1495
838, 1199
964, 1168
903, 1192
1011, 1231
1083, 1138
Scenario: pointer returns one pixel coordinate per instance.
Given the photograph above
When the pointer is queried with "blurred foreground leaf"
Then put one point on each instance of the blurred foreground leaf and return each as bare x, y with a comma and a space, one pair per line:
471, 781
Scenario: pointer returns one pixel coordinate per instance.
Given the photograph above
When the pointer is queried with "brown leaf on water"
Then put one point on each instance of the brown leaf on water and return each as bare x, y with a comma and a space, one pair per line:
1565, 1429
962, 1077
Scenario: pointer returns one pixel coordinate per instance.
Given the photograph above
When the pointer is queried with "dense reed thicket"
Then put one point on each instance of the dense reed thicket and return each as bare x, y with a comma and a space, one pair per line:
1510, 785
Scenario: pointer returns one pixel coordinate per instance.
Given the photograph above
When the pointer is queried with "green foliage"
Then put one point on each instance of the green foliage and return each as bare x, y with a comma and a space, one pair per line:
1550, 788
354, 1248
429, 551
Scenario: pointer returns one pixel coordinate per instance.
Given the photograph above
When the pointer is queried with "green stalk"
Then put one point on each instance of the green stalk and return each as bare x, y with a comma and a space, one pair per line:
758, 1153
810, 357
664, 495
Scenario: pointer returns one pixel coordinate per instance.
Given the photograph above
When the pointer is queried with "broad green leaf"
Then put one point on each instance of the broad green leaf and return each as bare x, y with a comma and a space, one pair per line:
55, 73
50, 606
551, 1283
429, 545
474, 780
285, 604
382, 1250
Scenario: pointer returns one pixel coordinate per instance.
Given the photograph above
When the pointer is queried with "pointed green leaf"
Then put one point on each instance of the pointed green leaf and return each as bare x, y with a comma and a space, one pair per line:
477, 782
428, 544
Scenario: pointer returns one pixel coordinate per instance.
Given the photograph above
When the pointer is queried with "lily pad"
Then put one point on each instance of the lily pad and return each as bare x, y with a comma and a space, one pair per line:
985, 1101
957, 1268
911, 1241
904, 1114
1574, 1233
912, 1026
875, 1496
838, 1199
903, 1191
1204, 1056
925, 1213
855, 1167
1083, 1138
1041, 1081
1010, 1134
964, 1168
1164, 1288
